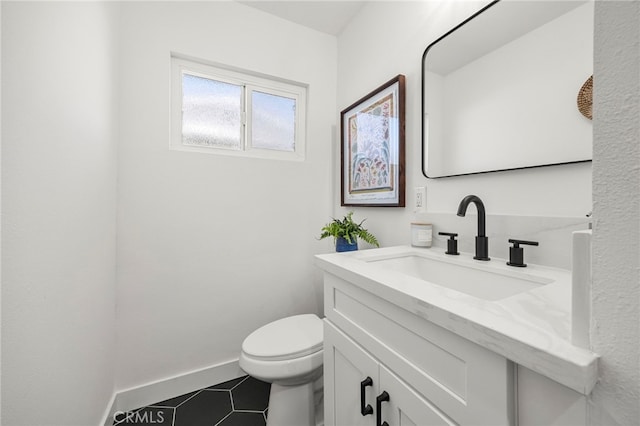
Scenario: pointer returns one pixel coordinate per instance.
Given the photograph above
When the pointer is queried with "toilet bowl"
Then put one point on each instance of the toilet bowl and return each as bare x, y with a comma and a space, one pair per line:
288, 354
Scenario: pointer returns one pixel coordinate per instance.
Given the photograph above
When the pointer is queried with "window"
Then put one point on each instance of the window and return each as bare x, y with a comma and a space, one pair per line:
229, 112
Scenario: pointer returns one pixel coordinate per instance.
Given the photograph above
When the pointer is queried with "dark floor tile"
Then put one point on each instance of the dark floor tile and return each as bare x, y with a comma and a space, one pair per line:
146, 416
252, 394
174, 402
206, 408
228, 385
244, 419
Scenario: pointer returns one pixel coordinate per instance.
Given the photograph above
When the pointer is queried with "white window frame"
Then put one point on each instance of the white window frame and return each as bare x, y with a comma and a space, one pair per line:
249, 82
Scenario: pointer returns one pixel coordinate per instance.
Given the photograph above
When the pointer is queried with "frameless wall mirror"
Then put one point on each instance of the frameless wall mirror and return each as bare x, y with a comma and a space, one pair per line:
501, 90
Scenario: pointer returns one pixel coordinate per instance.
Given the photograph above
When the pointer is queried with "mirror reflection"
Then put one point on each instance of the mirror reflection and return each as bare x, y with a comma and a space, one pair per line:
500, 90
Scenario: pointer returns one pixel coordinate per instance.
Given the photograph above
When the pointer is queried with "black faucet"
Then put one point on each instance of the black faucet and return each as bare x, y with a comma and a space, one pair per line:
482, 241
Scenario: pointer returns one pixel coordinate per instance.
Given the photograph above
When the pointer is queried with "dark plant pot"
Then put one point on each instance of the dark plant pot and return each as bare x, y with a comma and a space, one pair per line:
344, 245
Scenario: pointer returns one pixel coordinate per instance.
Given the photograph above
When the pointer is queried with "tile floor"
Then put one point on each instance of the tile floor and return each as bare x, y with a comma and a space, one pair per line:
238, 402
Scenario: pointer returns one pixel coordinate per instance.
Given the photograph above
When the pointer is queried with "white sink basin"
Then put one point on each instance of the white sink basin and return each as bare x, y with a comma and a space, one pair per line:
492, 280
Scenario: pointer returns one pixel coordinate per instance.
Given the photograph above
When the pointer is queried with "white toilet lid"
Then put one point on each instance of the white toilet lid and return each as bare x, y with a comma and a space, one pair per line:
286, 338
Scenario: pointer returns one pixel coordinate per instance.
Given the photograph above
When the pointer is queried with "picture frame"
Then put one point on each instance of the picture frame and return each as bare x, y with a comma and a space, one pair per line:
372, 144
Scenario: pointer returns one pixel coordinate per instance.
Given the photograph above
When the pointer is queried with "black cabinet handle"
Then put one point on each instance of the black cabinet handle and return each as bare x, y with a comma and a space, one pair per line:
383, 397
365, 409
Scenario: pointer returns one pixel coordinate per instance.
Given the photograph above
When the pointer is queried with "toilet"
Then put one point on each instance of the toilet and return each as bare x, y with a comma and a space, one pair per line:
288, 354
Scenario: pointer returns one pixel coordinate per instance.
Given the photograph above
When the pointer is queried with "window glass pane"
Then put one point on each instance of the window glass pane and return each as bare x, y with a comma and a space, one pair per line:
273, 122
211, 112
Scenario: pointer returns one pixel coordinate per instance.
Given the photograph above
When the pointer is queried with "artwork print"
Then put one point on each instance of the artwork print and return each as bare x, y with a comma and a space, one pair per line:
370, 163
373, 148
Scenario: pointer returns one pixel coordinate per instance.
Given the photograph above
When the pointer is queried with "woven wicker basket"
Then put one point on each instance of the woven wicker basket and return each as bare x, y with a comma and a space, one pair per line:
585, 99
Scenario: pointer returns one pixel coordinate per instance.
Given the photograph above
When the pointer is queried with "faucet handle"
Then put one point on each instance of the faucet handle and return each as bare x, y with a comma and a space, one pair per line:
452, 243
516, 253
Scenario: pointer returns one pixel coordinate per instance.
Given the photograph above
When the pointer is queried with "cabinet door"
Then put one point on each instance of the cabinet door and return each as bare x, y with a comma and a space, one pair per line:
346, 366
405, 407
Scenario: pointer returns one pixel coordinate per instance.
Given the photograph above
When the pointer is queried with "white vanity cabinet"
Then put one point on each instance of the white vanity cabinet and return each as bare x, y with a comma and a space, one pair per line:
431, 376
450, 341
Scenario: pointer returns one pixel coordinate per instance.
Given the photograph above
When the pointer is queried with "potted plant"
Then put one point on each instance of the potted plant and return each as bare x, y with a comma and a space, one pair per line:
346, 233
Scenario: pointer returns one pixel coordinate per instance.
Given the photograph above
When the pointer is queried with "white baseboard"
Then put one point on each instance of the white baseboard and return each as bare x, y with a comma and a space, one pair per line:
107, 417
140, 396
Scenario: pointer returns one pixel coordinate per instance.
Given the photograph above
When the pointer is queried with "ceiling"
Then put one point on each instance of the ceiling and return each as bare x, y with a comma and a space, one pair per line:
329, 16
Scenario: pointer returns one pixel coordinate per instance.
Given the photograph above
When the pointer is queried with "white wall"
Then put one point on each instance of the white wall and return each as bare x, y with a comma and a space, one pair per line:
388, 38
616, 191
0, 213
59, 202
212, 247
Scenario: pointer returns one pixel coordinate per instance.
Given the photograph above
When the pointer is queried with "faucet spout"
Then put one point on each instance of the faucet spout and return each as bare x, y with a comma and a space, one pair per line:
462, 211
482, 241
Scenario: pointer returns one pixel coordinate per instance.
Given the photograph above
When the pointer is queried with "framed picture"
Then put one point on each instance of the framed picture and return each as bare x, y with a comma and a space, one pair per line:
372, 148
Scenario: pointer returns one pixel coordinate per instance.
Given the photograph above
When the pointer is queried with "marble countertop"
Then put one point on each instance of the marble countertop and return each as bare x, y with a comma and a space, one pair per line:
531, 328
